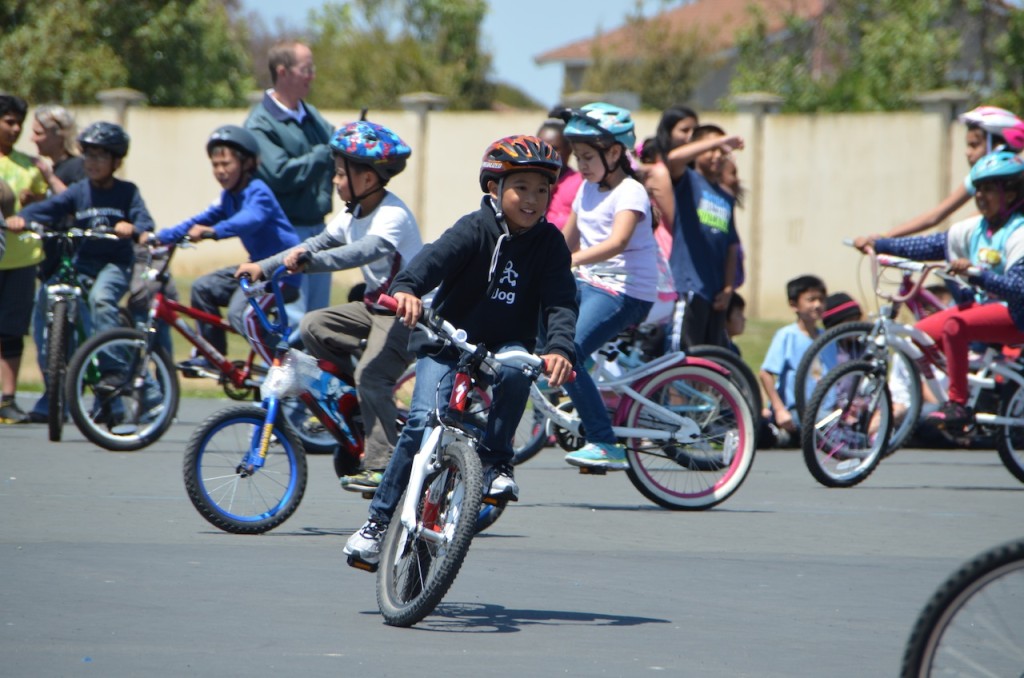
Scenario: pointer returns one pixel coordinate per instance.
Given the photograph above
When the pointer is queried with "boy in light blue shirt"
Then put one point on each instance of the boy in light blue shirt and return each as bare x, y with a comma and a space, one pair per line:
806, 295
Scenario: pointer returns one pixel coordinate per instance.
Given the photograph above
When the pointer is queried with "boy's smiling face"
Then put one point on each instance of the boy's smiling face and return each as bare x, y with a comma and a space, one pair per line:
809, 306
524, 200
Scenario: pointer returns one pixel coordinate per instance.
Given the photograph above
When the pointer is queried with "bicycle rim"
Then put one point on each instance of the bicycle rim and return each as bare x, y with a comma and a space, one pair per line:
974, 624
848, 423
1010, 439
144, 397
228, 496
415, 572
703, 473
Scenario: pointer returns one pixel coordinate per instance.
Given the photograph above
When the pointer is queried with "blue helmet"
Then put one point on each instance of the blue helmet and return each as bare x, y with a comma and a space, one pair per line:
1001, 167
367, 143
602, 125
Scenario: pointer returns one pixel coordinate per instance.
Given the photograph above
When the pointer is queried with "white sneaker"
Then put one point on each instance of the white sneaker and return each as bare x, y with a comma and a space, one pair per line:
503, 483
365, 543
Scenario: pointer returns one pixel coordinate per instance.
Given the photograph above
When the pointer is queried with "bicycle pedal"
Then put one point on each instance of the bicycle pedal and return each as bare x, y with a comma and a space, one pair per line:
593, 470
360, 564
493, 501
367, 494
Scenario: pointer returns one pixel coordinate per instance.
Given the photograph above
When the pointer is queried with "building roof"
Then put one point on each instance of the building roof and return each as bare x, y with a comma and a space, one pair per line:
719, 20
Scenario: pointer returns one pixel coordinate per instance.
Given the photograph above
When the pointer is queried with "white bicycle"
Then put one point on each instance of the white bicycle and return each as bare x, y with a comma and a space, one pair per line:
688, 429
440, 511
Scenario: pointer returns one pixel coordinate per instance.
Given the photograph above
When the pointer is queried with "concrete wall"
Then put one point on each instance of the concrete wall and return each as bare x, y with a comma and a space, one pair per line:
822, 178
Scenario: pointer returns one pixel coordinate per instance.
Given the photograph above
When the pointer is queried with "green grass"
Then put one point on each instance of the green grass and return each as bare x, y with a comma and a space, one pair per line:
755, 340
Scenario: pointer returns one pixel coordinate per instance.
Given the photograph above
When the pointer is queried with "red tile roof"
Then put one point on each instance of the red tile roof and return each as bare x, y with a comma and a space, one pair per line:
719, 20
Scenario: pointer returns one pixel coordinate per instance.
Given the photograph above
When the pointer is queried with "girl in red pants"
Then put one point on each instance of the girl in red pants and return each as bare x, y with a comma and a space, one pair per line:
992, 242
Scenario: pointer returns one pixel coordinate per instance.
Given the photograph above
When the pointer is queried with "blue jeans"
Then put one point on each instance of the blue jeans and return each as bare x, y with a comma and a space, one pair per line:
602, 316
109, 286
434, 377
315, 292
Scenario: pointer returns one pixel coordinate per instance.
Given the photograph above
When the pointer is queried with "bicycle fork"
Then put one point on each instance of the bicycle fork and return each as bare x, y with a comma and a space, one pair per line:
260, 443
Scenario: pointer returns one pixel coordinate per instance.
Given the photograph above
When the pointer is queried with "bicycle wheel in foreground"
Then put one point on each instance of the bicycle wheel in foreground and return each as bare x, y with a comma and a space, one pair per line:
703, 473
221, 483
847, 424
416, 570
135, 404
974, 623
57, 338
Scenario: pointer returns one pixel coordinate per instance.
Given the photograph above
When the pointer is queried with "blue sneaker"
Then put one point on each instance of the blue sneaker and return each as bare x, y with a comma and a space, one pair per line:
599, 455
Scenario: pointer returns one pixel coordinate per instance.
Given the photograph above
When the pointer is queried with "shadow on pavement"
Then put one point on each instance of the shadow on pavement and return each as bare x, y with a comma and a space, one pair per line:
452, 617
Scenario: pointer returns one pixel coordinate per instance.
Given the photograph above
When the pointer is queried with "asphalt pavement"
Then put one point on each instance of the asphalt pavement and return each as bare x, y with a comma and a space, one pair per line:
107, 570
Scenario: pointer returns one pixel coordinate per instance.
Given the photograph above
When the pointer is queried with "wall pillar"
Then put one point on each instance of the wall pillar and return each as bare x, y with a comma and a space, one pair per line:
949, 104
120, 99
421, 103
758, 105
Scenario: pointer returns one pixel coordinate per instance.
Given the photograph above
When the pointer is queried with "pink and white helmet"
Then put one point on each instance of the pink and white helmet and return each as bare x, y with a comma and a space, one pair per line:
992, 119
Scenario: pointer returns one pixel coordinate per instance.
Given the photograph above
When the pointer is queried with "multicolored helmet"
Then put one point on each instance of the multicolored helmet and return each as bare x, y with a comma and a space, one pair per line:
1000, 167
991, 119
376, 146
234, 137
105, 135
519, 153
601, 125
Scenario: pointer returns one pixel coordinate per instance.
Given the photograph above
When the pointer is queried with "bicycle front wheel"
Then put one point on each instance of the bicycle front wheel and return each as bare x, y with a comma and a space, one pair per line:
974, 623
224, 488
417, 567
56, 365
707, 471
136, 402
1010, 439
847, 424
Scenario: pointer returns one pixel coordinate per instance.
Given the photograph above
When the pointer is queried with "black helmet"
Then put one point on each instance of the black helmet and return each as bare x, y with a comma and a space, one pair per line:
235, 137
105, 135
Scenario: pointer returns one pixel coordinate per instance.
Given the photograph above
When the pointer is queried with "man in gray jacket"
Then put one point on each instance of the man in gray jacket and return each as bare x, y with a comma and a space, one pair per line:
295, 160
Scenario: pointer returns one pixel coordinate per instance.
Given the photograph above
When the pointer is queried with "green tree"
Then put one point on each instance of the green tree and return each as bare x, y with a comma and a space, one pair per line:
177, 52
373, 51
1008, 57
877, 56
662, 66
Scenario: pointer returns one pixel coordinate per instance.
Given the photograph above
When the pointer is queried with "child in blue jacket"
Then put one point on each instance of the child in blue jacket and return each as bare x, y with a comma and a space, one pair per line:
247, 209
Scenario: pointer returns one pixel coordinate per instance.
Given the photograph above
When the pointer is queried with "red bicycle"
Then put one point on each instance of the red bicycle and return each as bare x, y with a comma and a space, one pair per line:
132, 407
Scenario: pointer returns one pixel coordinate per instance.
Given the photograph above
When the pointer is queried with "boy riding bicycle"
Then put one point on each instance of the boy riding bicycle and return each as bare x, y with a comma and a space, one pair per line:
102, 201
247, 209
377, 233
501, 271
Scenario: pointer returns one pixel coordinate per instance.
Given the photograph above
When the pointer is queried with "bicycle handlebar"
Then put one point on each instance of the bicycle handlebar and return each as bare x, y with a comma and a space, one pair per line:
879, 261
255, 290
435, 324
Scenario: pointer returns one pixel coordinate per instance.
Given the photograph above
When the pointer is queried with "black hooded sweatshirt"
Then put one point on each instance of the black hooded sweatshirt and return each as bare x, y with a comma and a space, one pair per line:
498, 287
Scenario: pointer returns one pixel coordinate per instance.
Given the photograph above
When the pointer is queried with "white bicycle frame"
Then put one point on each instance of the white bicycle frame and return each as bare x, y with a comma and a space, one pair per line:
437, 437
686, 432
910, 341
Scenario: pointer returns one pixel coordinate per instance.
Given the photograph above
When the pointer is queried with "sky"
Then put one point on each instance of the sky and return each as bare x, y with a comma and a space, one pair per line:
515, 31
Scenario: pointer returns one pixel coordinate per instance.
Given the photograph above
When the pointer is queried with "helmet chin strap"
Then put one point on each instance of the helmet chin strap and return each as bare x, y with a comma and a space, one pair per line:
350, 206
